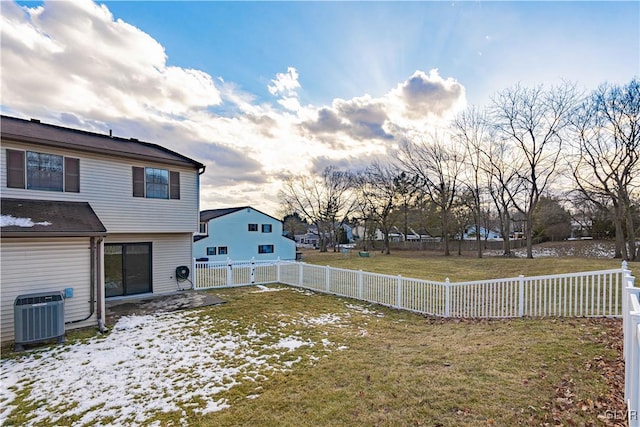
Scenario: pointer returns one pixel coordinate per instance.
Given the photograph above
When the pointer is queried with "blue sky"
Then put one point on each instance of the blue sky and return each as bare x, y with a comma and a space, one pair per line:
347, 49
262, 90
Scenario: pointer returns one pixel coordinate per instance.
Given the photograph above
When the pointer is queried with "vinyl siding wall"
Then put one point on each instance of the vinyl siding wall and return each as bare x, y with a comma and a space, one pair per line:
106, 183
231, 230
42, 265
168, 251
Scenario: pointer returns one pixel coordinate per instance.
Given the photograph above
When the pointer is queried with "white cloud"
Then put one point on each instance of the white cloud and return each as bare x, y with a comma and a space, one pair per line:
74, 57
72, 63
285, 83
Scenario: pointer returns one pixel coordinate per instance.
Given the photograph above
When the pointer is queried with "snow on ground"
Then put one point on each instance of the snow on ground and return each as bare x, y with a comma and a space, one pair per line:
148, 365
582, 249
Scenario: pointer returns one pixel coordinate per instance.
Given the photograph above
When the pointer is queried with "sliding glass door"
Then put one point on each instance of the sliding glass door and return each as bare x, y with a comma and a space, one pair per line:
127, 269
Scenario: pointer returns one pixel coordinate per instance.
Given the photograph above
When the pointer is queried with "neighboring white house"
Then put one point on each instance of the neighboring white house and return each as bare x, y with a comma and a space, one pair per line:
96, 215
241, 233
311, 239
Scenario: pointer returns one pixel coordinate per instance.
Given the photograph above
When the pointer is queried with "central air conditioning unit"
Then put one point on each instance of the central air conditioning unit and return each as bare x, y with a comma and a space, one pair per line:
38, 317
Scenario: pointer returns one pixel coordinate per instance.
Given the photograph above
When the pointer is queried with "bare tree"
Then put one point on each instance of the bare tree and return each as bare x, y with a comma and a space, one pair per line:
437, 167
533, 120
607, 156
407, 191
324, 201
380, 195
503, 187
472, 130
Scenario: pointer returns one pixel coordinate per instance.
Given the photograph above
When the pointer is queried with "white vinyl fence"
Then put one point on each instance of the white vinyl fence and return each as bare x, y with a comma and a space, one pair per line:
596, 293
631, 328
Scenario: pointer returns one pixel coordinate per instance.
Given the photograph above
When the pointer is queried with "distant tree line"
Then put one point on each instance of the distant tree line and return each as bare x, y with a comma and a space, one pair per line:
538, 161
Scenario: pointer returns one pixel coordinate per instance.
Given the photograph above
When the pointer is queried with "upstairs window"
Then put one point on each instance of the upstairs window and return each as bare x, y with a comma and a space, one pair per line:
42, 171
154, 183
211, 250
253, 227
266, 228
222, 250
204, 228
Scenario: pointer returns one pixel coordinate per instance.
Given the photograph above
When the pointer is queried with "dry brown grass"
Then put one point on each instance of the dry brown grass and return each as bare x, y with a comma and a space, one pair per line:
434, 266
405, 369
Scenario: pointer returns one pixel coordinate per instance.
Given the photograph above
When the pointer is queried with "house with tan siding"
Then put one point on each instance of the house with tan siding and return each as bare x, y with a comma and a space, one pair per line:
94, 215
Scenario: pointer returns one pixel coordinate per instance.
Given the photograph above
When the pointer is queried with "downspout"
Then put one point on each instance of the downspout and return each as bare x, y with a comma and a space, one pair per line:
100, 285
92, 268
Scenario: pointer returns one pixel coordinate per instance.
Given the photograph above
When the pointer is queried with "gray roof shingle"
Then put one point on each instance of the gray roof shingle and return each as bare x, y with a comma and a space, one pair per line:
50, 219
32, 131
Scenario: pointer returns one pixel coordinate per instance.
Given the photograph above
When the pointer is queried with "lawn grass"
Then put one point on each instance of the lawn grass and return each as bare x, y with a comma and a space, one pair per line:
429, 265
374, 365
400, 368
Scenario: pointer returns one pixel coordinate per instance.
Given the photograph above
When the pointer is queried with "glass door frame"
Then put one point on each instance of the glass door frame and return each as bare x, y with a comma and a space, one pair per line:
124, 273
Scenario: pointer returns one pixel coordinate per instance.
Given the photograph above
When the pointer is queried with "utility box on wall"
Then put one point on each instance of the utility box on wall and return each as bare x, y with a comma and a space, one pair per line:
38, 317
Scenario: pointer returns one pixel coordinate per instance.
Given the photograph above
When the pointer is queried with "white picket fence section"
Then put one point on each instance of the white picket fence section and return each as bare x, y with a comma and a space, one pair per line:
631, 352
610, 293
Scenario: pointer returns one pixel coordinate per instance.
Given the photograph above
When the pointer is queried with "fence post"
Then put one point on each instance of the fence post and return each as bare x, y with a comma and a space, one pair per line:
229, 272
301, 274
360, 283
632, 372
278, 270
252, 272
195, 273
447, 298
627, 282
628, 291
327, 274
521, 295
399, 293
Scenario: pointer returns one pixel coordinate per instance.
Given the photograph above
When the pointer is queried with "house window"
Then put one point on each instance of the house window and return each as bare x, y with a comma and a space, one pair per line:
222, 250
157, 183
265, 249
42, 171
211, 250
253, 227
203, 228
154, 183
266, 228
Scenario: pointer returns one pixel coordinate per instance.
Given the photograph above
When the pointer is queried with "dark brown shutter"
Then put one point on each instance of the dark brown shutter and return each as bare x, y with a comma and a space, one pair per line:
174, 185
71, 175
138, 181
15, 169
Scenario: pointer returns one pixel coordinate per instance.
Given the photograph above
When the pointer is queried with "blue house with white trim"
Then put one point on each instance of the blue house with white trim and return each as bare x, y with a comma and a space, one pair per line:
241, 234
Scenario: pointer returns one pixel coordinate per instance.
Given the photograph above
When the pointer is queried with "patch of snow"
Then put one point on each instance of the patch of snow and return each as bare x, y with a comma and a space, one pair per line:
147, 364
364, 310
323, 319
9, 220
291, 343
262, 288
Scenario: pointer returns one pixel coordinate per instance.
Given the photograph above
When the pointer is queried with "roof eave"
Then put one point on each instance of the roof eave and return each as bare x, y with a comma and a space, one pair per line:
40, 234
97, 150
